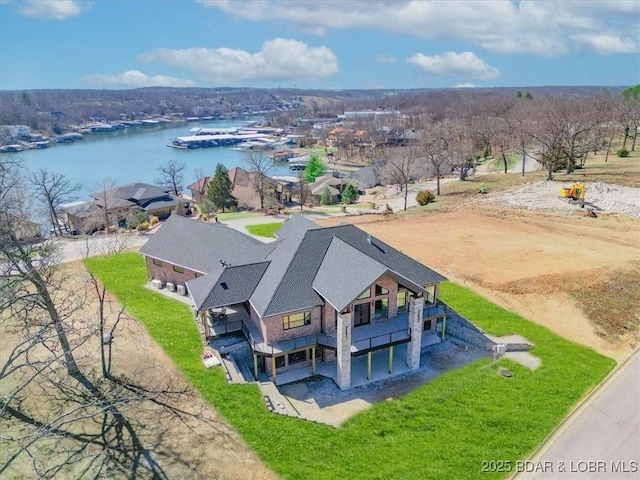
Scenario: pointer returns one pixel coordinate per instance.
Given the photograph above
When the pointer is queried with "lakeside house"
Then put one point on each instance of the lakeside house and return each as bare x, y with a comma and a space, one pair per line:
244, 189
116, 204
318, 296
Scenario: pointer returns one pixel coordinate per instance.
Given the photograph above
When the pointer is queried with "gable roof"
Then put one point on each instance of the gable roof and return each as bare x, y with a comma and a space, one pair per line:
144, 195
140, 192
200, 185
296, 225
226, 286
201, 246
307, 265
287, 284
346, 272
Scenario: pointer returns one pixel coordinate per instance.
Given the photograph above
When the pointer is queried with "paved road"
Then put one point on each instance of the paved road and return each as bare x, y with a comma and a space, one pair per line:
73, 249
601, 440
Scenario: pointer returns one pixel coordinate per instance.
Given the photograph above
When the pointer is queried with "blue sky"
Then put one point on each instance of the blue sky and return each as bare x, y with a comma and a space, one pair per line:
317, 44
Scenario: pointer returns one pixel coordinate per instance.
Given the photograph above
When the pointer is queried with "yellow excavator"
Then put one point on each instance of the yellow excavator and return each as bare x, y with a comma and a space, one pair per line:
573, 194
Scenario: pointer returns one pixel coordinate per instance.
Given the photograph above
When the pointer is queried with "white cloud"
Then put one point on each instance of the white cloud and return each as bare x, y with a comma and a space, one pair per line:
464, 85
134, 79
450, 64
54, 9
606, 44
279, 59
384, 59
529, 26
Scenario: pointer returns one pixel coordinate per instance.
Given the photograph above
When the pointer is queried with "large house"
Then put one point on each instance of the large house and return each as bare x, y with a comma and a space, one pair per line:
315, 297
117, 203
244, 189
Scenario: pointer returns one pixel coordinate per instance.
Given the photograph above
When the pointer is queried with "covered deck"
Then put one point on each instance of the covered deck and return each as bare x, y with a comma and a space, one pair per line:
364, 339
377, 365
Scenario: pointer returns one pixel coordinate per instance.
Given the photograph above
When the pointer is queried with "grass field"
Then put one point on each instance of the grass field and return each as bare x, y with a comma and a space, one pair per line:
264, 229
223, 217
442, 430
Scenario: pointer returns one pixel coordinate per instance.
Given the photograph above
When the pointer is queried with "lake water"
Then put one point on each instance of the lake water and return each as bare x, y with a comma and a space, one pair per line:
133, 155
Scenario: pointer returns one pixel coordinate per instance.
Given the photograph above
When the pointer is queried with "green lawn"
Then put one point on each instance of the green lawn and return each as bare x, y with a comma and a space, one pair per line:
264, 229
512, 161
444, 429
223, 217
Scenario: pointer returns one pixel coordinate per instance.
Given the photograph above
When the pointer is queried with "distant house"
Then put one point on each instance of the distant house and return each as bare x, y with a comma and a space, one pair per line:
83, 217
307, 303
332, 182
243, 182
23, 229
366, 177
155, 200
119, 202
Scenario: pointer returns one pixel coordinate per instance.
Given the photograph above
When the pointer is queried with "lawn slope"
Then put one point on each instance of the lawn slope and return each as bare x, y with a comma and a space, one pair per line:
445, 429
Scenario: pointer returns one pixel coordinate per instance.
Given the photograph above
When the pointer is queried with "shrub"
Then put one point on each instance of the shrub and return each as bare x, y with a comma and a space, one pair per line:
154, 220
425, 197
112, 229
623, 152
143, 227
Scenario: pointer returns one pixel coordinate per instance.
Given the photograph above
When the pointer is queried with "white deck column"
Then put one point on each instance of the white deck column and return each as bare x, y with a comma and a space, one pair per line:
416, 304
343, 353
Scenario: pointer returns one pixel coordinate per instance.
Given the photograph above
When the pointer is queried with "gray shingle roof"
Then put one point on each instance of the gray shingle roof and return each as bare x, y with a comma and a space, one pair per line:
285, 276
296, 225
345, 273
156, 203
200, 246
294, 267
226, 287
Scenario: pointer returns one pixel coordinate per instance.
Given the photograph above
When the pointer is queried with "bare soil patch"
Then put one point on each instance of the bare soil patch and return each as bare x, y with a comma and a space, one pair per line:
555, 259
198, 445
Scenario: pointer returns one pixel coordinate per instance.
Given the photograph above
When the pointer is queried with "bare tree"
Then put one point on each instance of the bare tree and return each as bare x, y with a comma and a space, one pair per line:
259, 166
400, 165
519, 120
52, 190
103, 196
435, 146
172, 176
94, 421
302, 189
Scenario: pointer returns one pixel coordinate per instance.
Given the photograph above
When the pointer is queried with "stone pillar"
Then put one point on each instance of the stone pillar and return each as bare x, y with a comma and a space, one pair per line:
416, 304
343, 333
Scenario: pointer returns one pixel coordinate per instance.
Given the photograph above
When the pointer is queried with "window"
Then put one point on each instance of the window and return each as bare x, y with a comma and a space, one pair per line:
296, 320
178, 269
382, 308
402, 300
280, 361
365, 294
427, 325
157, 262
297, 357
381, 290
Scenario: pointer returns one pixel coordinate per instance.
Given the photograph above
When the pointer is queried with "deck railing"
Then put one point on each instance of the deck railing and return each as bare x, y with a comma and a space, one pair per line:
383, 339
433, 310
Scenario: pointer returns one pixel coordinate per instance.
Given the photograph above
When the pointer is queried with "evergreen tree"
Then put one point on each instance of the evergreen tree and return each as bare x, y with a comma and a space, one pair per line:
313, 169
325, 198
350, 194
220, 188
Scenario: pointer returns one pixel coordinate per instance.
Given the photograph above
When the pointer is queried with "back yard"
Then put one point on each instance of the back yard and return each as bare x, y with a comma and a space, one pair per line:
445, 429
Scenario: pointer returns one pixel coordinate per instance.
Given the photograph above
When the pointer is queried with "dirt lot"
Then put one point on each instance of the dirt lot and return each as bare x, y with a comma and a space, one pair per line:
546, 266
